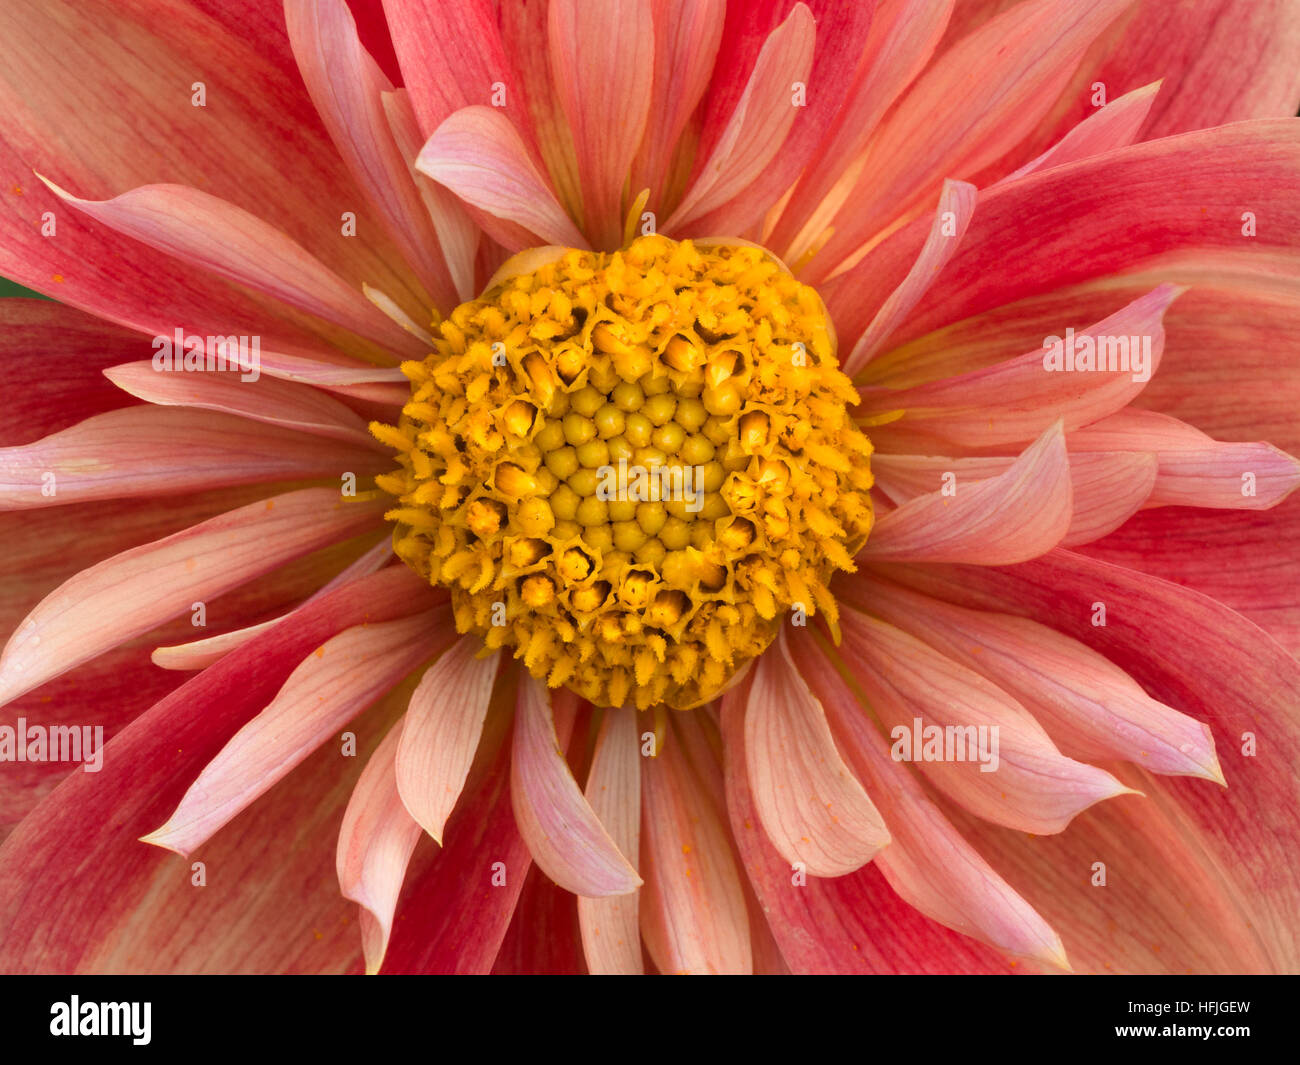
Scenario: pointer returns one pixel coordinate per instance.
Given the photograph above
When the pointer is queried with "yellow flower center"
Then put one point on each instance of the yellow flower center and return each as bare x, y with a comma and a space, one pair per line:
628, 466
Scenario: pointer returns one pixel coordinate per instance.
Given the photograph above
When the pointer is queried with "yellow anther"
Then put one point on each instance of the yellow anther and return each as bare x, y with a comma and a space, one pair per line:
682, 355
591, 597
485, 517
519, 417
525, 553
753, 430
538, 591
574, 565
513, 481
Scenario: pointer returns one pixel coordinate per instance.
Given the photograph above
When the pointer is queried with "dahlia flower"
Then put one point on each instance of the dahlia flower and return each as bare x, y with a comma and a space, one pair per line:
650, 485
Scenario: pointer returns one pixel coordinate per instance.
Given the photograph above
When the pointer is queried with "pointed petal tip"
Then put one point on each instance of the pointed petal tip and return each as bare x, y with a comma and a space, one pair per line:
159, 837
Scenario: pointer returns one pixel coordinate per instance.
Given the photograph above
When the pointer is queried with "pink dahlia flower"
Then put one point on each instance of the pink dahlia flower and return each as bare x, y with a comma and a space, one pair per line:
632, 485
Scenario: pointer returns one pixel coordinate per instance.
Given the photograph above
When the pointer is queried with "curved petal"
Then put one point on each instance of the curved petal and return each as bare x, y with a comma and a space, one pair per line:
275, 402
1018, 514
687, 35
134, 453
757, 128
1108, 487
849, 924
327, 689
813, 808
564, 835
693, 915
1232, 907
463, 903
1087, 704
129, 594
1224, 62
1009, 773
902, 37
1021, 59
1181, 194
956, 205
1015, 400
452, 57
376, 840
198, 227
444, 723
1194, 469
93, 820
199, 654
458, 236
347, 87
66, 70
1113, 126
610, 927
929, 863
478, 154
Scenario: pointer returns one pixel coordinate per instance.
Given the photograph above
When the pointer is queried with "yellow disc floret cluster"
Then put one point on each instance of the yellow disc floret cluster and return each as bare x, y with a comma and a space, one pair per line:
628, 466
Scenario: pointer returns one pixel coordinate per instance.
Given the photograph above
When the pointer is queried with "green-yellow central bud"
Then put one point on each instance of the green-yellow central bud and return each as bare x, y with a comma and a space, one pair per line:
627, 466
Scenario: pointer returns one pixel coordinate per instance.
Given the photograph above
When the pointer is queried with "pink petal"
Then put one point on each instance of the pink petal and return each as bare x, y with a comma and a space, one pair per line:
851, 924
459, 908
813, 808
478, 154
451, 57
1231, 908
940, 129
199, 654
543, 904
1115, 125
443, 725
1088, 705
929, 863
197, 227
1244, 560
611, 937
328, 688
92, 820
693, 916
1179, 195
1018, 514
458, 236
376, 840
1108, 487
901, 38
279, 403
1014, 401
759, 125
133, 453
841, 57
45, 394
564, 835
687, 35
347, 87
129, 594
1195, 470
1227, 63
1031, 787
66, 72
956, 205
602, 60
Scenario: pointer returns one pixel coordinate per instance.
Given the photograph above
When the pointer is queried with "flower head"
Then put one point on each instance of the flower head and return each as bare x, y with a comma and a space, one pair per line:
738, 480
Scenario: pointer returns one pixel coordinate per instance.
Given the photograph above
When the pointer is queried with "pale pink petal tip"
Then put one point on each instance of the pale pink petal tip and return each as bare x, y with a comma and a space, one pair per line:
563, 833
